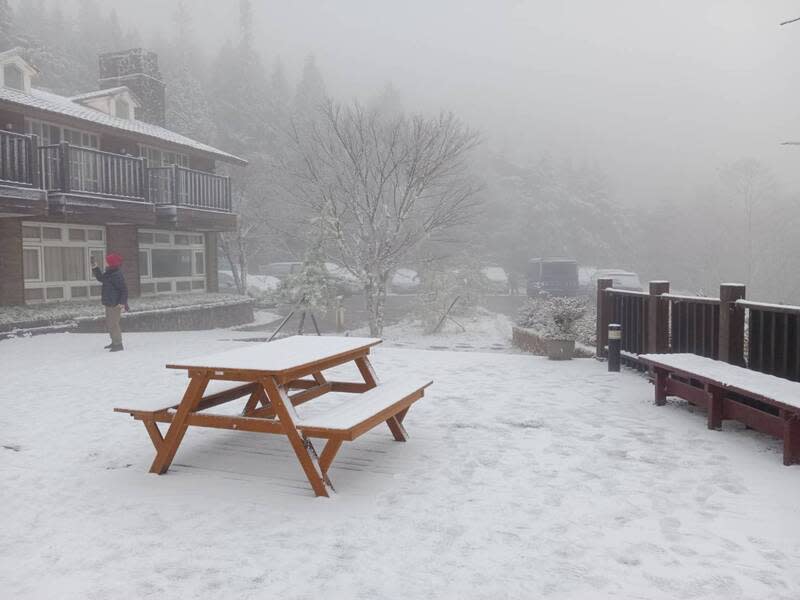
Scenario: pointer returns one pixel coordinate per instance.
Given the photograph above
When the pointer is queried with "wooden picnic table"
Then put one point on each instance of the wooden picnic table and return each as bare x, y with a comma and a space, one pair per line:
266, 374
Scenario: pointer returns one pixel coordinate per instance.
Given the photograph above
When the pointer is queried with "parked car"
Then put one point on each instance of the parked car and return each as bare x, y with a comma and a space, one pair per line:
555, 276
496, 279
281, 270
623, 280
404, 281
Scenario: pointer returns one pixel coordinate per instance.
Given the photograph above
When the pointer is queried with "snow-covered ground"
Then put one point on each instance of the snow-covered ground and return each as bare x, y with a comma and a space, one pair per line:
523, 478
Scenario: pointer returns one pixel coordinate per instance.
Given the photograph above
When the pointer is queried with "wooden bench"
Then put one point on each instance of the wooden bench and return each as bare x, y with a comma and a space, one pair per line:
763, 402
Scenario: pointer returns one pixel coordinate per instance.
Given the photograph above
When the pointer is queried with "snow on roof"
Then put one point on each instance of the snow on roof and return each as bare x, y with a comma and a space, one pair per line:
49, 102
101, 93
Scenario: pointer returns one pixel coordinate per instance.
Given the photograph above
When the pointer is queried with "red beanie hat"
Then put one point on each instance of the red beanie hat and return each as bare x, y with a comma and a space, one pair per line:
114, 260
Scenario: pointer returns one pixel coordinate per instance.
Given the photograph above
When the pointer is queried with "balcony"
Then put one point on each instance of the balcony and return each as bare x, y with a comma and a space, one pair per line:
20, 194
180, 186
85, 181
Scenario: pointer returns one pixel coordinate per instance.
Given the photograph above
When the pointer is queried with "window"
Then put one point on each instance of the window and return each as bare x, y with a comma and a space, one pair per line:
99, 256
163, 158
144, 263
62, 263
54, 134
199, 263
56, 260
31, 233
30, 264
13, 77
51, 233
171, 261
122, 109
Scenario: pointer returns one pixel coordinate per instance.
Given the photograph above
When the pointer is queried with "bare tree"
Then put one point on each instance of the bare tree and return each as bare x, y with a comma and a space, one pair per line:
751, 185
379, 185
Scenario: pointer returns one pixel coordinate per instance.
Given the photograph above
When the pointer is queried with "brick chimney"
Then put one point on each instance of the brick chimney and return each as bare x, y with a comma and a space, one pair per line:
138, 70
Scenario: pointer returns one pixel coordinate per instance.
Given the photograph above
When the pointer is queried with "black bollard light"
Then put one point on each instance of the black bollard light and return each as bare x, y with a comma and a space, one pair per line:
614, 346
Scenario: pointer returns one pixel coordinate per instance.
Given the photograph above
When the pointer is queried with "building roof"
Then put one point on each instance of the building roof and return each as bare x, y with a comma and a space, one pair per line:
100, 93
53, 103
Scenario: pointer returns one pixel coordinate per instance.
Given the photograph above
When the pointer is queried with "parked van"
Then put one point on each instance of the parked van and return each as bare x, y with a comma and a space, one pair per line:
555, 276
623, 280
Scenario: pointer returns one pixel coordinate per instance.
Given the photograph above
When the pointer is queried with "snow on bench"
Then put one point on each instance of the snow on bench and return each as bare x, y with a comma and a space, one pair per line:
214, 388
361, 412
765, 386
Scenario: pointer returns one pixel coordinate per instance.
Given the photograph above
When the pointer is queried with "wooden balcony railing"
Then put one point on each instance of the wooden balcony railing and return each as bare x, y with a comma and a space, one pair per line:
18, 159
74, 169
186, 187
68, 168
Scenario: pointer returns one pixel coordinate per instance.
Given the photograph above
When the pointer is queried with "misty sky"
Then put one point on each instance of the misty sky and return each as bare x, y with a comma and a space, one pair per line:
657, 93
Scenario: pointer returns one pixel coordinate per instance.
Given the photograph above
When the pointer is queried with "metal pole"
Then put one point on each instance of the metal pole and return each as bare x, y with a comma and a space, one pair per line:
614, 343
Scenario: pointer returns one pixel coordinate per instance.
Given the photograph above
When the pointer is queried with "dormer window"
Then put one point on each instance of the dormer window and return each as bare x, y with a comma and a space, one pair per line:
14, 77
122, 109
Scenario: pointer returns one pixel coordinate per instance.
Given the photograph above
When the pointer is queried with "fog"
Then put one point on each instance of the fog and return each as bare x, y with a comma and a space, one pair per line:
657, 94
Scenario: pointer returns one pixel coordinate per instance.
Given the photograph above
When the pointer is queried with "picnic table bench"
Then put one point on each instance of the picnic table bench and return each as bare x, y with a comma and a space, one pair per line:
266, 374
763, 402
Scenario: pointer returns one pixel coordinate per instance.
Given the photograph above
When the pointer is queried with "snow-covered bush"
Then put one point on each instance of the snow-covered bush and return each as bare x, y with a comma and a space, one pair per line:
311, 287
559, 318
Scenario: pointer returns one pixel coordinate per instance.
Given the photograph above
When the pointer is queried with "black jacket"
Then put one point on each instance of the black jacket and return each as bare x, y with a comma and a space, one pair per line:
114, 289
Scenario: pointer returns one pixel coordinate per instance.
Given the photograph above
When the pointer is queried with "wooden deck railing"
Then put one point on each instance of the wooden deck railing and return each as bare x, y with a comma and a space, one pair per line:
660, 322
19, 159
188, 187
67, 168
773, 340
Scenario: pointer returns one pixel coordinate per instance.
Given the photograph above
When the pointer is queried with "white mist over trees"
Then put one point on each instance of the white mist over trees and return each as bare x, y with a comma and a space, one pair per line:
733, 222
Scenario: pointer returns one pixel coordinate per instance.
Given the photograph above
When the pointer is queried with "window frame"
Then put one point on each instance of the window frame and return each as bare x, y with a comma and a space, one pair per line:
165, 240
39, 245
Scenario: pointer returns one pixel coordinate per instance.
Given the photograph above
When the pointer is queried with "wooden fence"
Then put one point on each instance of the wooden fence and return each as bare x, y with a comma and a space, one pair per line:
763, 337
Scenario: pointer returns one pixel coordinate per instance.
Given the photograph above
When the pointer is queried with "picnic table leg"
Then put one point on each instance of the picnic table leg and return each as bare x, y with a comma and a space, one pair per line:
177, 429
258, 396
791, 438
661, 386
328, 453
714, 406
367, 372
302, 447
371, 379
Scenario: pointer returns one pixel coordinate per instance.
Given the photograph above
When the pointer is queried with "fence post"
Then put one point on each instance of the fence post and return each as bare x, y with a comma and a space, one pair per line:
144, 179
731, 323
657, 319
603, 315
35, 177
175, 185
63, 159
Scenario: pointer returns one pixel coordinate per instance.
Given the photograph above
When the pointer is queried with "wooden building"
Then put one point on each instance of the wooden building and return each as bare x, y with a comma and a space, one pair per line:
96, 173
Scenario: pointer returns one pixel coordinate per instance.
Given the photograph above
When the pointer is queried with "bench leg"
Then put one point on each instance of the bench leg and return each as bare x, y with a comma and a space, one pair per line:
396, 427
177, 429
791, 438
155, 433
661, 387
329, 453
302, 447
714, 407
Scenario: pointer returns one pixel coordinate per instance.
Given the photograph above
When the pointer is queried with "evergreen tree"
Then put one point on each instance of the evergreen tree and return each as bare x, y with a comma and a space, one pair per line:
7, 32
310, 93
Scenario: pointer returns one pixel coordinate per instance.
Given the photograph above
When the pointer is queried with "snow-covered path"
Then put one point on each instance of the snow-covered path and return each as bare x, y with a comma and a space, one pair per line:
523, 478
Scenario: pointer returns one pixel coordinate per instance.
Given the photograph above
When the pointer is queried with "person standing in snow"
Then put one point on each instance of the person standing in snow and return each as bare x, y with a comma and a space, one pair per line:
114, 297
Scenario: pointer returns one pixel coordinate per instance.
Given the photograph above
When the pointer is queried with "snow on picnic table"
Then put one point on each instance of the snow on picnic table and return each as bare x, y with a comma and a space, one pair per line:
523, 478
